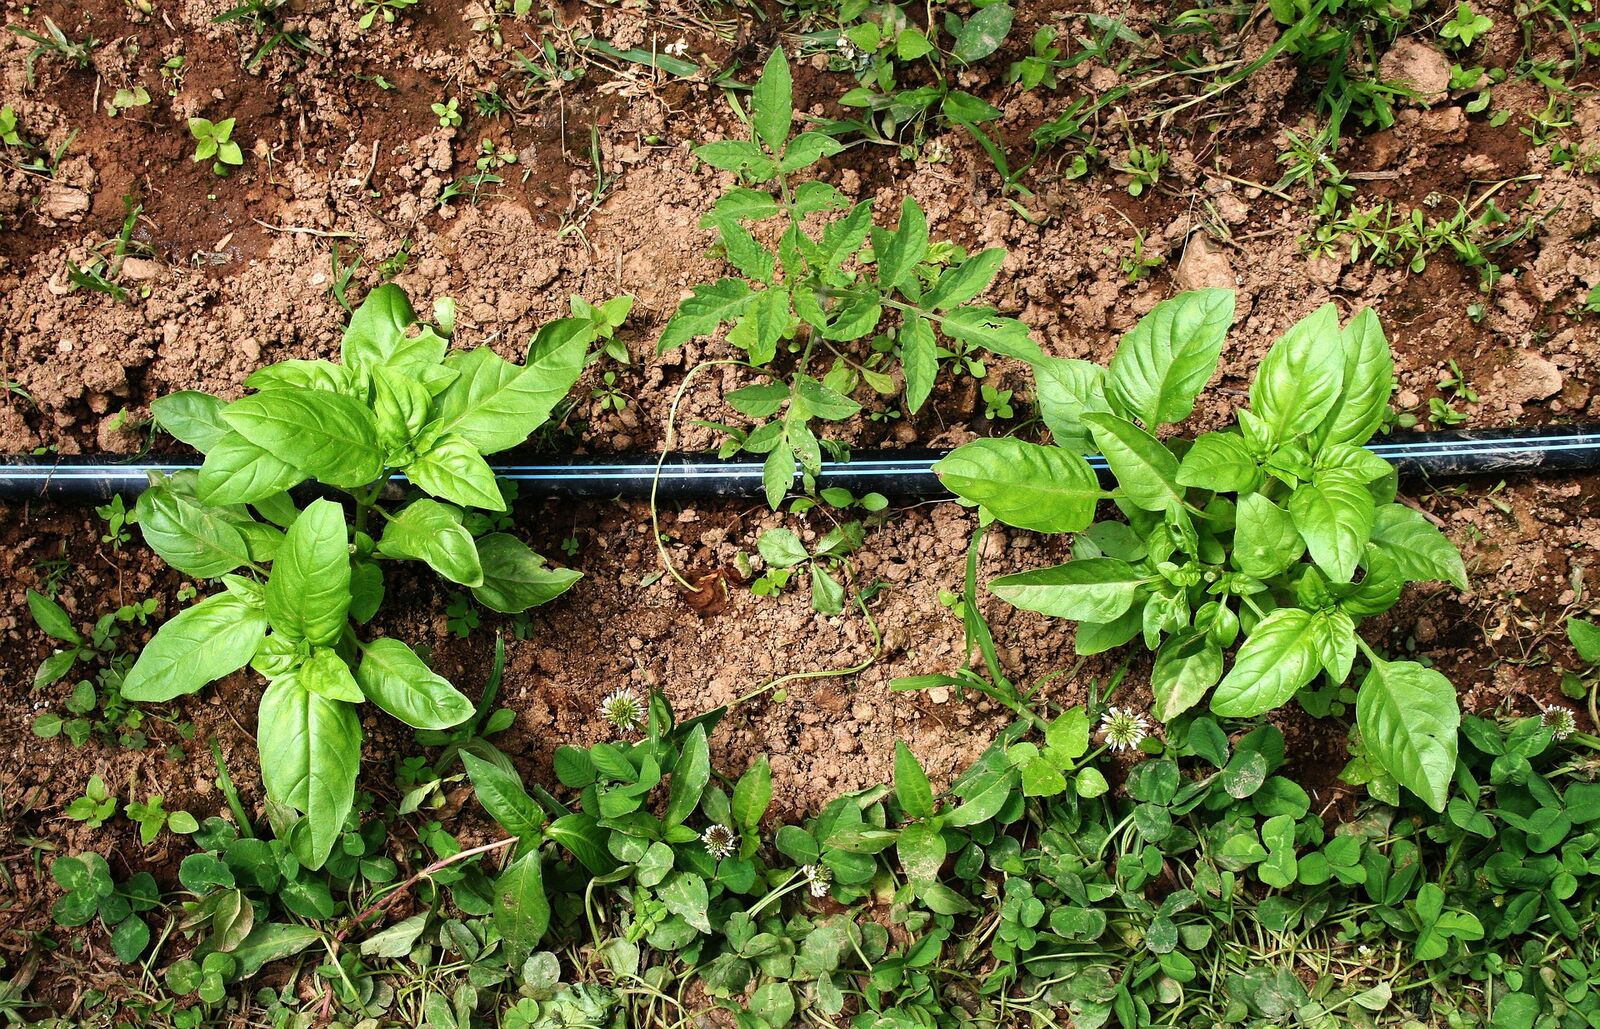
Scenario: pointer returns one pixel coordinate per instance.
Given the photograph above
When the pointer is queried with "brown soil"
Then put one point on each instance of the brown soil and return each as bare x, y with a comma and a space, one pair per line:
236, 272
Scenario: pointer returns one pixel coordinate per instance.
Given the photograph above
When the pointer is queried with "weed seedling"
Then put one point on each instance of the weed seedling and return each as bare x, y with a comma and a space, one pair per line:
214, 142
448, 113
54, 43
388, 10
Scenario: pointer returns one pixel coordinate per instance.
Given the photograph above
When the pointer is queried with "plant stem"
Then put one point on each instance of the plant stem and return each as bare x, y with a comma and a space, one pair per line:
390, 897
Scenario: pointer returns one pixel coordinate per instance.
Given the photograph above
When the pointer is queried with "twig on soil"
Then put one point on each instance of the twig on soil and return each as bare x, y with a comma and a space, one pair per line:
305, 230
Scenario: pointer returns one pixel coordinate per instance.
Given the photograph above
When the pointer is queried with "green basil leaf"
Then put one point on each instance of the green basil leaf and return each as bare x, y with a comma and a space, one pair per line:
711, 305
378, 334
1334, 515
192, 417
237, 471
1408, 719
1265, 541
192, 537
401, 405
772, 102
1368, 381
1300, 379
899, 253
1188, 665
1067, 389
1163, 363
308, 591
1220, 462
393, 677
325, 674
1146, 471
428, 531
1279, 658
495, 404
313, 752
300, 374
1420, 551
1097, 589
515, 578
1045, 489
453, 470
214, 638
331, 437
52, 618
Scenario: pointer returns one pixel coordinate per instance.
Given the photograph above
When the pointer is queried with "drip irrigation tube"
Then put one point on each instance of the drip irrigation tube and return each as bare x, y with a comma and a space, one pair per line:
895, 473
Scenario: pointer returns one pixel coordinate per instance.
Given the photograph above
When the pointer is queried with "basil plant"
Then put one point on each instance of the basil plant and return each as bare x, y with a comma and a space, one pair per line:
296, 581
1278, 535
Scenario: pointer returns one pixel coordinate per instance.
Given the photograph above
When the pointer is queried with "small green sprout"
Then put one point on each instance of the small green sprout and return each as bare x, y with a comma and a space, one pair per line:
1466, 26
215, 140
448, 113
388, 9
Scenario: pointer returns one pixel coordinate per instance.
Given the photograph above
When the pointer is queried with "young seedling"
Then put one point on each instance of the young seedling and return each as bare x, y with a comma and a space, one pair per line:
1279, 535
820, 292
448, 113
214, 142
95, 806
388, 10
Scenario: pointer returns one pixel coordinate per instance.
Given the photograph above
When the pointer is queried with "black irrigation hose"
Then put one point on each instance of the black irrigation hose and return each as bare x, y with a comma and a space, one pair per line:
895, 473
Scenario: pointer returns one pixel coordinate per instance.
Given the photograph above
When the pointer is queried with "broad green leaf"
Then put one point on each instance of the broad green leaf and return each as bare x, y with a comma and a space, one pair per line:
502, 795
302, 374
711, 305
806, 149
428, 531
237, 471
1334, 515
738, 156
966, 280
393, 677
987, 328
1408, 719
983, 33
772, 102
762, 324
685, 895
1146, 471
453, 470
777, 475
1220, 462
1098, 589
1336, 643
1046, 489
919, 359
402, 406
921, 851
521, 909
311, 749
1368, 381
378, 334
331, 437
1067, 389
1164, 362
272, 941
214, 638
781, 548
308, 591
583, 836
1300, 379
1188, 665
1585, 639
515, 578
1279, 658
822, 402
1264, 539
192, 537
856, 315
689, 777
494, 404
752, 795
192, 417
898, 253
1420, 551
842, 238
325, 674
911, 787
52, 618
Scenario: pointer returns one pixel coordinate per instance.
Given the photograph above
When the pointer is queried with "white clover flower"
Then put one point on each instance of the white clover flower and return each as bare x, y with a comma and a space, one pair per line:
623, 709
679, 48
1123, 729
1560, 721
848, 50
720, 841
819, 878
